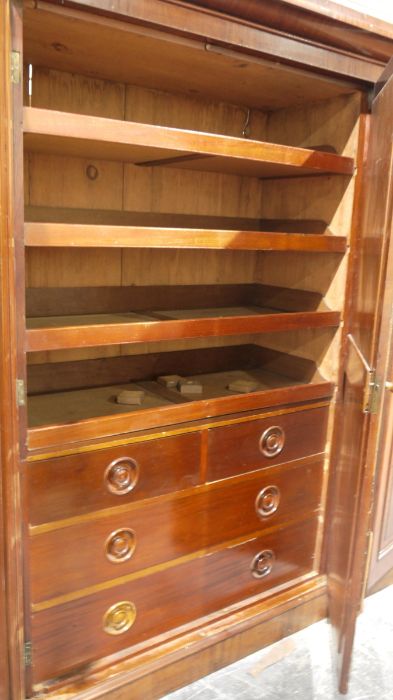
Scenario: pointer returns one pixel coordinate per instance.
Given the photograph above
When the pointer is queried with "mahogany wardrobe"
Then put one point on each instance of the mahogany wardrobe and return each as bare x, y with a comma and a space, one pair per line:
196, 366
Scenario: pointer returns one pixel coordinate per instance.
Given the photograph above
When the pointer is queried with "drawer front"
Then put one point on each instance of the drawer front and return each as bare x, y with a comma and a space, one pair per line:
71, 635
236, 449
92, 551
68, 486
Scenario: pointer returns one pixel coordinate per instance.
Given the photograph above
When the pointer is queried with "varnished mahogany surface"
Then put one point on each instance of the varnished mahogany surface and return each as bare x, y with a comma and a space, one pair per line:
69, 486
328, 22
77, 374
71, 554
350, 524
228, 32
236, 449
98, 235
71, 635
193, 655
53, 437
51, 131
44, 305
117, 330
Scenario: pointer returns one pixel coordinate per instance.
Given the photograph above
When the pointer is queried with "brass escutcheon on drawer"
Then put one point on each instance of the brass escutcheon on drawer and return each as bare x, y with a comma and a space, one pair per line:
119, 618
272, 441
121, 476
262, 563
120, 545
267, 501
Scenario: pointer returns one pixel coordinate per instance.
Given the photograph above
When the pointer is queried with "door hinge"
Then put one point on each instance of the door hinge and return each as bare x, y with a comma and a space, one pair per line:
27, 653
20, 392
371, 394
15, 67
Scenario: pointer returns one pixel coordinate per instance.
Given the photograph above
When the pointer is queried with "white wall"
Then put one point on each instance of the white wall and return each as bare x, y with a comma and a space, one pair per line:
377, 8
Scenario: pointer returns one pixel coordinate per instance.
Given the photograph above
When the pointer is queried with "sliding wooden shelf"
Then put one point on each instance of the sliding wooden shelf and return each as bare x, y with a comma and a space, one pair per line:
47, 234
59, 333
64, 133
61, 318
63, 407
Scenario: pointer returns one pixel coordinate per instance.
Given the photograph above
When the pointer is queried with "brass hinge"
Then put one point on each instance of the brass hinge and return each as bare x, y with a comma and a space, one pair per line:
28, 653
15, 67
20, 393
371, 394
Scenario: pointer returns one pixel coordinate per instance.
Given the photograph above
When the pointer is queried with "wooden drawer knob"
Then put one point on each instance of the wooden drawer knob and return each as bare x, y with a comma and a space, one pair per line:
272, 441
121, 476
262, 563
267, 501
120, 545
119, 618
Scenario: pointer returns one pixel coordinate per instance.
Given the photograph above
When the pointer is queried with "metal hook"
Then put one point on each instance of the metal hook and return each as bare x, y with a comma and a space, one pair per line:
246, 127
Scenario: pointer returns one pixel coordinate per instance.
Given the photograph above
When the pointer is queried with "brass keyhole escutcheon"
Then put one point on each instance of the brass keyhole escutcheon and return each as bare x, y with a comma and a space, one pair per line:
272, 441
120, 545
267, 501
121, 476
119, 618
262, 563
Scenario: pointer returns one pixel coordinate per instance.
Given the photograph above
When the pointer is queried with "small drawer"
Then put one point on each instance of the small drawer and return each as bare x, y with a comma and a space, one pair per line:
71, 635
70, 486
92, 551
243, 447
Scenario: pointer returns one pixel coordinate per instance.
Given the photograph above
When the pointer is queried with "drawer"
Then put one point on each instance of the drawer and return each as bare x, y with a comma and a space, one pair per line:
71, 635
243, 447
90, 551
69, 486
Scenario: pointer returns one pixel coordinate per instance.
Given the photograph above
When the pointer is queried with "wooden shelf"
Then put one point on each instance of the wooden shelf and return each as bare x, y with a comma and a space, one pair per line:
58, 333
46, 234
62, 407
49, 131
61, 318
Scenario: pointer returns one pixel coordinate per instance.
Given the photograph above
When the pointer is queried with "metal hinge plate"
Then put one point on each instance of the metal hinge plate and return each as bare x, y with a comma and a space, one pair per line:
15, 67
28, 653
20, 393
371, 394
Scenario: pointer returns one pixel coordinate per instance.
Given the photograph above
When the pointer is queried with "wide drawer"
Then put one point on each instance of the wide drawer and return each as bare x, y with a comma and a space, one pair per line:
89, 551
236, 449
69, 486
70, 635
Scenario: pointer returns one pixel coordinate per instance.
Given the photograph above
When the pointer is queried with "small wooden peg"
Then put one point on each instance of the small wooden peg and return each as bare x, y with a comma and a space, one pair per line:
132, 398
243, 386
190, 386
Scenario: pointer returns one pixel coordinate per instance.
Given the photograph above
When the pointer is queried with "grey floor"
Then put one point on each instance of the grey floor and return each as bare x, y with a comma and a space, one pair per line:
300, 666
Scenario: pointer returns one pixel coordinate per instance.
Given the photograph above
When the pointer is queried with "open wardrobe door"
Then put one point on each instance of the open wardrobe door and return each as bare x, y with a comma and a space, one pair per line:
356, 428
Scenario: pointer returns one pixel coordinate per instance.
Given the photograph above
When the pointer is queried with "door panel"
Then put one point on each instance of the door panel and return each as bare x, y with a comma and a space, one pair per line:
356, 430
382, 553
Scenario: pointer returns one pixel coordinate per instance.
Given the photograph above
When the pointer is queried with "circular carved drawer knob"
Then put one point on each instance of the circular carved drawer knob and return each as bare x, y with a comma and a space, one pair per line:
272, 441
267, 501
120, 545
262, 563
119, 618
121, 476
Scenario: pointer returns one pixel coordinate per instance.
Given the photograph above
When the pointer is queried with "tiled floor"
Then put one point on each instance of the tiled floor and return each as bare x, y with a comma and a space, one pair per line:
304, 667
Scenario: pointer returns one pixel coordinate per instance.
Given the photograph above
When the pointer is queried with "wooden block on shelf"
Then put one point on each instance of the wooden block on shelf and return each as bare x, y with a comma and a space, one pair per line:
190, 386
243, 386
170, 380
131, 397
